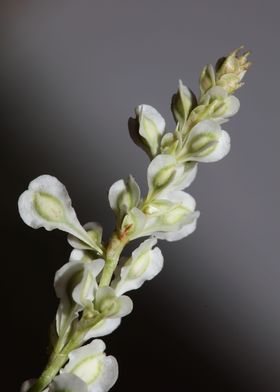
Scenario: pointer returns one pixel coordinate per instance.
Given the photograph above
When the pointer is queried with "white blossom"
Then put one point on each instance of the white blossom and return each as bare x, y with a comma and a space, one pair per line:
92, 366
47, 204
75, 285
150, 127
144, 264
124, 196
165, 174
207, 142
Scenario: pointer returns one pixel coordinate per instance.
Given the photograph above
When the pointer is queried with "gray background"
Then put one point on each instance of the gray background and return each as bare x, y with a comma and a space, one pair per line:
71, 74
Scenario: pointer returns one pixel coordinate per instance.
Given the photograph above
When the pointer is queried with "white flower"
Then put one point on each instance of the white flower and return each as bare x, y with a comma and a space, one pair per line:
165, 174
47, 204
171, 217
207, 142
182, 103
147, 129
144, 264
75, 284
224, 105
91, 365
124, 196
111, 305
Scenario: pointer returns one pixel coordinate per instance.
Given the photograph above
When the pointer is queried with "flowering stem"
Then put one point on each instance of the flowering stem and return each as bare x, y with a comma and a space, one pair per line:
114, 249
58, 359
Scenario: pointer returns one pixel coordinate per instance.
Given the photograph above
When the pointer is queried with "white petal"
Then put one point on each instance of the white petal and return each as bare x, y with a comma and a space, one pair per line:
161, 170
126, 306
47, 204
116, 189
144, 264
181, 233
104, 327
185, 174
166, 175
63, 276
221, 150
83, 293
177, 211
215, 92
150, 113
151, 127
221, 144
68, 382
67, 310
94, 230
123, 196
233, 105
181, 104
80, 255
93, 367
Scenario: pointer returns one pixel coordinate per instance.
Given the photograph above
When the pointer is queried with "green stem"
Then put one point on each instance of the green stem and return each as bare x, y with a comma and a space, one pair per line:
114, 249
58, 359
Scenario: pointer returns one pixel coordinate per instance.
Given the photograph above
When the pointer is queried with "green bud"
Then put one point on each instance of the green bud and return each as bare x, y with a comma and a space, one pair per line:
230, 70
207, 78
147, 129
181, 105
123, 196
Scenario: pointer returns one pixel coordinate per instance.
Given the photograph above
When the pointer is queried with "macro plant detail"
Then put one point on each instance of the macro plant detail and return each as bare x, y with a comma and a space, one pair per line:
92, 286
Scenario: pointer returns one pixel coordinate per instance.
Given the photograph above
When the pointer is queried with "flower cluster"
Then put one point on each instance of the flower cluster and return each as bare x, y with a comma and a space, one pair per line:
91, 285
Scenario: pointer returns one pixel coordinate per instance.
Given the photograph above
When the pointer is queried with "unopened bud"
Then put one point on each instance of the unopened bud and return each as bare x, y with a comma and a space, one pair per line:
207, 78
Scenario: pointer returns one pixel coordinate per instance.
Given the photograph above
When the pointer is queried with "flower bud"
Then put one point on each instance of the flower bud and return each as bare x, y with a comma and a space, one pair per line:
144, 264
207, 142
181, 105
231, 70
207, 78
123, 196
146, 130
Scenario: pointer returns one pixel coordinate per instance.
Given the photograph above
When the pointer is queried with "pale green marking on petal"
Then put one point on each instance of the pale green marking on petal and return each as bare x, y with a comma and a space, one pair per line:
139, 266
86, 287
90, 368
175, 215
109, 306
201, 141
164, 176
49, 207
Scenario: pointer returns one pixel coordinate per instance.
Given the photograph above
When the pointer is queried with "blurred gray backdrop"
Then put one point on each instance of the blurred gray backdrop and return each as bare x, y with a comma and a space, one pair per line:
71, 74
